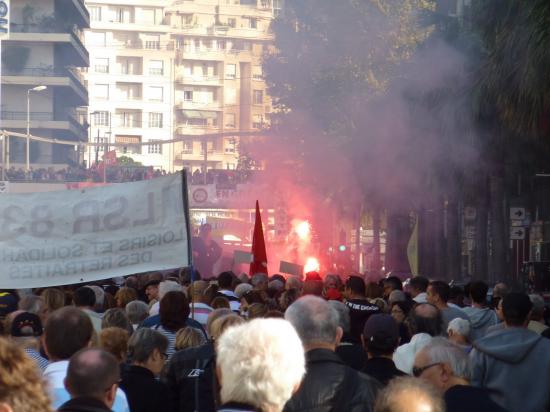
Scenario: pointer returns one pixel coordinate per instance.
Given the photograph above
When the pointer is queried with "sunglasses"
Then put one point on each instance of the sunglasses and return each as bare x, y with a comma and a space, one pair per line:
417, 372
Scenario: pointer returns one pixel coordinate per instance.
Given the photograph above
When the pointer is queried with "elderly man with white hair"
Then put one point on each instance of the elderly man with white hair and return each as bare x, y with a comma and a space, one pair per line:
329, 384
447, 367
459, 331
260, 364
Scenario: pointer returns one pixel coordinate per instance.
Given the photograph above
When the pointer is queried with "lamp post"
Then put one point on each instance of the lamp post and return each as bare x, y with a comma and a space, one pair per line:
34, 89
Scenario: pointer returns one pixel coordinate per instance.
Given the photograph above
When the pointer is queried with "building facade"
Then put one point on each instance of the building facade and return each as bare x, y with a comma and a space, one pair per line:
219, 85
130, 81
39, 76
184, 70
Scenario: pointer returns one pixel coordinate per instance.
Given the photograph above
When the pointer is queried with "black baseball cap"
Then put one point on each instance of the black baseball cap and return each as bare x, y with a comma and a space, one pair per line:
26, 324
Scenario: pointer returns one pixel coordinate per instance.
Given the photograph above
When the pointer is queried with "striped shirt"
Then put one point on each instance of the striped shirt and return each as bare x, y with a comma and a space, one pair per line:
37, 357
171, 336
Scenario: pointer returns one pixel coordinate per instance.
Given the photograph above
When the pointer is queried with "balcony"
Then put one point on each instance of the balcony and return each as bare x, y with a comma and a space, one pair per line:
51, 77
133, 45
190, 155
68, 38
66, 122
198, 80
221, 30
210, 107
196, 130
74, 10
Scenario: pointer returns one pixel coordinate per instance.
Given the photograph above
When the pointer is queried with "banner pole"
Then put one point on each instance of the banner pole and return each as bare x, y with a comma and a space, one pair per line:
185, 199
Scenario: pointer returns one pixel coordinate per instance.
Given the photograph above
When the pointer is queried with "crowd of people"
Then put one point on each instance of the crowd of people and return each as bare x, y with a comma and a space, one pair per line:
169, 342
113, 174
120, 174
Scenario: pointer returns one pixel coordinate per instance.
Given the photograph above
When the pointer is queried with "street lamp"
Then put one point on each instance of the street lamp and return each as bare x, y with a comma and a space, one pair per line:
34, 89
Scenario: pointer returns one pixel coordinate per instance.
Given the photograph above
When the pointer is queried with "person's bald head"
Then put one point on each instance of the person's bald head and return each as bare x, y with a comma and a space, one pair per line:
92, 373
409, 395
425, 318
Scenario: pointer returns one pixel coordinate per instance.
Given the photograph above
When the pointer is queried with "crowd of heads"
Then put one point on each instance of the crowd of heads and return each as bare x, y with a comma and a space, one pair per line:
261, 331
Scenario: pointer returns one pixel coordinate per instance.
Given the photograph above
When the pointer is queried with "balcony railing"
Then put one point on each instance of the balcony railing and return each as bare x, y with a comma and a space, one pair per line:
70, 115
146, 45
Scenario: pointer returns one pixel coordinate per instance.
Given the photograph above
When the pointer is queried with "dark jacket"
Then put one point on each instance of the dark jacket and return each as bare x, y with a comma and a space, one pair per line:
382, 369
331, 386
352, 354
144, 392
190, 379
84, 404
461, 398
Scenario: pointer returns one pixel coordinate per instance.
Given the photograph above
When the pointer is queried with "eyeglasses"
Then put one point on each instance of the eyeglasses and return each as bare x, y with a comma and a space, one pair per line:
417, 372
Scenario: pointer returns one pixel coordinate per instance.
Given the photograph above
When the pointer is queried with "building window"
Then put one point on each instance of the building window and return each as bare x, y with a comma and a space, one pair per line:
94, 38
257, 121
229, 119
101, 65
122, 15
257, 73
101, 91
155, 120
156, 67
231, 71
188, 95
258, 97
129, 119
155, 148
95, 13
221, 44
252, 23
156, 93
101, 118
187, 19
131, 143
187, 147
129, 91
232, 22
277, 7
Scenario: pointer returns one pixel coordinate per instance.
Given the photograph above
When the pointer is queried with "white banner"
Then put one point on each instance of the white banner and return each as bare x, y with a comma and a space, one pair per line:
73, 236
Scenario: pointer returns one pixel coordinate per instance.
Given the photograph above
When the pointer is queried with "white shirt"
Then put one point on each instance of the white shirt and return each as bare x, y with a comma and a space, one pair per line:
55, 374
421, 298
155, 309
235, 305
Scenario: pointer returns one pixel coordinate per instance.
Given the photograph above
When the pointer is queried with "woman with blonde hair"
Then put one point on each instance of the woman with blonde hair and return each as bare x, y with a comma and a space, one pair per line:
21, 386
188, 338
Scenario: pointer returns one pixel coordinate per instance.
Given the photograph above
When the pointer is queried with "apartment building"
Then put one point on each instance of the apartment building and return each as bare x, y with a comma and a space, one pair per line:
219, 87
130, 80
39, 67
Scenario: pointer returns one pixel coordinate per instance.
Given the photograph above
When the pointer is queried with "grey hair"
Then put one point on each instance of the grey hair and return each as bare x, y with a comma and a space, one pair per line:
32, 304
137, 311
343, 315
441, 350
538, 305
258, 278
143, 343
314, 320
407, 393
117, 317
168, 286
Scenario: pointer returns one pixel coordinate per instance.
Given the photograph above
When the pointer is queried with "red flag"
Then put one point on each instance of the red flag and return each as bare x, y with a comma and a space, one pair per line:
259, 260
